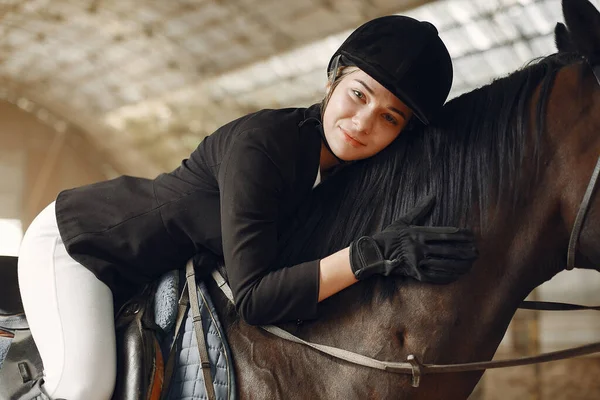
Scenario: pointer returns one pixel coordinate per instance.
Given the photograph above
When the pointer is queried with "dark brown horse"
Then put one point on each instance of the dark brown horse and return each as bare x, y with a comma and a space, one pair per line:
512, 161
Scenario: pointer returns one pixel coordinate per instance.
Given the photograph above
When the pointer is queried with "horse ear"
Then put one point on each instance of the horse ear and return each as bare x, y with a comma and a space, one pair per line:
583, 23
562, 38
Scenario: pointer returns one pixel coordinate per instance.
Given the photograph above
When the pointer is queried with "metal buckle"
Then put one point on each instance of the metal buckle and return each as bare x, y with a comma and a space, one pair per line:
416, 370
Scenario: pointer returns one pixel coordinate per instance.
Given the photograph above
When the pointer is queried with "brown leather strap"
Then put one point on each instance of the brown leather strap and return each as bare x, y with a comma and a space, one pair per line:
197, 319
578, 225
418, 369
6, 334
412, 365
554, 306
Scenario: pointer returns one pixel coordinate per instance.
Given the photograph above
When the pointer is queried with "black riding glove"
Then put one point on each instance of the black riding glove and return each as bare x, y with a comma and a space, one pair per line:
428, 254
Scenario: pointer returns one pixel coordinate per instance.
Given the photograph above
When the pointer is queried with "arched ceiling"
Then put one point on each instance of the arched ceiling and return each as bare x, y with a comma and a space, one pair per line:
147, 80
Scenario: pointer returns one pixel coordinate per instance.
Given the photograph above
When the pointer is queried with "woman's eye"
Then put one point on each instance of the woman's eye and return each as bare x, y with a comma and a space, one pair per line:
358, 94
390, 119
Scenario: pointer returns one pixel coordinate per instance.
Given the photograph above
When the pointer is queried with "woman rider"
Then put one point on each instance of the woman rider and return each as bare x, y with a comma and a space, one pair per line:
96, 245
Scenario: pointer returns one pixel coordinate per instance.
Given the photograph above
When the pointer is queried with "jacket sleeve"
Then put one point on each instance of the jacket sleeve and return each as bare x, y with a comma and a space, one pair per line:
251, 188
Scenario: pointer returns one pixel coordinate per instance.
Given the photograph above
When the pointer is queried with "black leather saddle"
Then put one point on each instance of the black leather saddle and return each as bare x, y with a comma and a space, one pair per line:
22, 365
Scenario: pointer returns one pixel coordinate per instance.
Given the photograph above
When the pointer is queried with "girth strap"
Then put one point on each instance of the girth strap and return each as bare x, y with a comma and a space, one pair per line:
197, 320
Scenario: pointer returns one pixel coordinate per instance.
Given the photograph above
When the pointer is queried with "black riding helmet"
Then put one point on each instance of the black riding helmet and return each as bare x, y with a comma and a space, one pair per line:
405, 56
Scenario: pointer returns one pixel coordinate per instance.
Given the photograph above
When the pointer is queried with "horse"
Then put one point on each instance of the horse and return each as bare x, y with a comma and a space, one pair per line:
510, 160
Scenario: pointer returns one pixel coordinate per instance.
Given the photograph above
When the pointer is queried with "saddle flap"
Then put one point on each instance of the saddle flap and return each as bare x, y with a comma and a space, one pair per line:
10, 297
140, 364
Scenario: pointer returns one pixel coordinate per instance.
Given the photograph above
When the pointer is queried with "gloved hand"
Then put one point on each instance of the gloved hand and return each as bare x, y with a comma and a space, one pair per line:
428, 254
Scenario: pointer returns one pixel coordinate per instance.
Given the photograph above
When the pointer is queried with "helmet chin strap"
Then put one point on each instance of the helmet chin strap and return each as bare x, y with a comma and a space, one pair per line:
319, 126
339, 160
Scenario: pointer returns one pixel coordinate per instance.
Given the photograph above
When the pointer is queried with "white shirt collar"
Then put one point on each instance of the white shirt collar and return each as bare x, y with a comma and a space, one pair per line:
318, 180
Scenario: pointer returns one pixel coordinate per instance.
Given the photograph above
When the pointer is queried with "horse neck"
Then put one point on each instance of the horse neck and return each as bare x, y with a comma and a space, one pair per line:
429, 320
529, 248
460, 322
432, 321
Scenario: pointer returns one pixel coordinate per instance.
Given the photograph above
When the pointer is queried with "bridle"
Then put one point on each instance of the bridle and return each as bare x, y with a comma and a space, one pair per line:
585, 203
414, 367
578, 225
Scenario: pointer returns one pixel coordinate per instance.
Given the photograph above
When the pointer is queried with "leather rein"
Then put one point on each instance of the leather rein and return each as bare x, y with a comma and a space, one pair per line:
414, 367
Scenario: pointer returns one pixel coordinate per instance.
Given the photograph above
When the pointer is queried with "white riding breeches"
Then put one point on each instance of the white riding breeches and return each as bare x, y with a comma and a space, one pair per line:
70, 314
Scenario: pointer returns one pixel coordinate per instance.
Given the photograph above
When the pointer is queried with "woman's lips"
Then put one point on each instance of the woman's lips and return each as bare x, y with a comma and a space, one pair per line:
353, 142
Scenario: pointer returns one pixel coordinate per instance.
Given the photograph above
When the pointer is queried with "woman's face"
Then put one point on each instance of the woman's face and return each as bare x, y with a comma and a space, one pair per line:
362, 117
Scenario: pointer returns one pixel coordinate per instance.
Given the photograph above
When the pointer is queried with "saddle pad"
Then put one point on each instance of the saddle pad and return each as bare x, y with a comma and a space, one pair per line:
5, 341
8, 325
187, 381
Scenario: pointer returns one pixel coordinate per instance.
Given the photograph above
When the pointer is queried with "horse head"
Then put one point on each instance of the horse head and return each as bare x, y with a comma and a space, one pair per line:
575, 124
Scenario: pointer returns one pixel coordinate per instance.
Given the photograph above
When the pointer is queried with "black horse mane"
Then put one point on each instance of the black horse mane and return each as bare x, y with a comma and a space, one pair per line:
472, 159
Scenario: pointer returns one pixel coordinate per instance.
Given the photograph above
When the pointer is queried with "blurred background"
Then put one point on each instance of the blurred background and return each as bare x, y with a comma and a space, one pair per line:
90, 90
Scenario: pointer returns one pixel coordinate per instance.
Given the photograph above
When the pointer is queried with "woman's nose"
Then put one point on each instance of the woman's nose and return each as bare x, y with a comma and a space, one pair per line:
362, 121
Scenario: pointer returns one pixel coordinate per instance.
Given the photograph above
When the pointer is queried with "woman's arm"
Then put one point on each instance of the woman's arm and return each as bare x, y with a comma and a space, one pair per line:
253, 182
335, 274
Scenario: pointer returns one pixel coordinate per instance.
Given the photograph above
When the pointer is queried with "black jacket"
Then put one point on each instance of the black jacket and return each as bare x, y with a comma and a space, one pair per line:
230, 197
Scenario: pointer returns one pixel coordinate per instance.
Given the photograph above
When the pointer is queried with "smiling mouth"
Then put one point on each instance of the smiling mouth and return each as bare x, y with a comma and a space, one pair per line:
352, 141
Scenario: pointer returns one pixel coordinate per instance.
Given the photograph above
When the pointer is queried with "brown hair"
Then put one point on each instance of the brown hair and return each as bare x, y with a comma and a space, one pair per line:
340, 74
